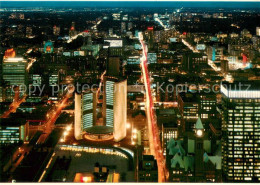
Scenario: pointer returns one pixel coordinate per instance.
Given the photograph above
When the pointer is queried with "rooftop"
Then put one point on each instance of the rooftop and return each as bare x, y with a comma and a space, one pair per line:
99, 130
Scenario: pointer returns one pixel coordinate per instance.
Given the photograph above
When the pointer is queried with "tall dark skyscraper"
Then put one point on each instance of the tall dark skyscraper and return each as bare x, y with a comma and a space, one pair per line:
241, 131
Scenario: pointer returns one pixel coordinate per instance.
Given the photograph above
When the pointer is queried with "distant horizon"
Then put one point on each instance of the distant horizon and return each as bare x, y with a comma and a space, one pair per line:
127, 4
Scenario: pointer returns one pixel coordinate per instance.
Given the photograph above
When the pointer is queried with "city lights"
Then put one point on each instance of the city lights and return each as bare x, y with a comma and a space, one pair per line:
130, 92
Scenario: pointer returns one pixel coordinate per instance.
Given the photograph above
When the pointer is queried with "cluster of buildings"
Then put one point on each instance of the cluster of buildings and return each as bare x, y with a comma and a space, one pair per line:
205, 88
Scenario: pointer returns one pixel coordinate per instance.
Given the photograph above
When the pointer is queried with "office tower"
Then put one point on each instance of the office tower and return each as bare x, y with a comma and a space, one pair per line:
215, 53
56, 30
194, 105
194, 62
113, 66
15, 74
85, 113
115, 46
13, 130
188, 105
169, 130
150, 38
224, 66
241, 131
35, 88
148, 171
257, 31
115, 106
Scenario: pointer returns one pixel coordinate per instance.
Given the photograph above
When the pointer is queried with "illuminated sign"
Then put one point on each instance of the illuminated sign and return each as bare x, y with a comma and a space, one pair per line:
150, 28
48, 47
67, 54
173, 39
200, 47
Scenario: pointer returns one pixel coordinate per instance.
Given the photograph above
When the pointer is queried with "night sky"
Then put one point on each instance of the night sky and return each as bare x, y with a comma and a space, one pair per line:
65, 4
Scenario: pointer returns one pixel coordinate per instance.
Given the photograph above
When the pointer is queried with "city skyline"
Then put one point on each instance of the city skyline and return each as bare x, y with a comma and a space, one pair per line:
149, 91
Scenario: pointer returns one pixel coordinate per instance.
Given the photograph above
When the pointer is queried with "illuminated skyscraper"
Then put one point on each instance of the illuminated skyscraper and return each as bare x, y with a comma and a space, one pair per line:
85, 112
150, 38
241, 131
215, 53
14, 74
13, 130
115, 106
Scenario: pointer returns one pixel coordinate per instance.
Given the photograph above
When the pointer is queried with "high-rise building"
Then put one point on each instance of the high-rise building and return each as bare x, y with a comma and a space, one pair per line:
113, 66
148, 171
215, 53
150, 37
113, 121
196, 105
14, 74
169, 130
13, 130
35, 85
194, 62
85, 112
115, 106
241, 131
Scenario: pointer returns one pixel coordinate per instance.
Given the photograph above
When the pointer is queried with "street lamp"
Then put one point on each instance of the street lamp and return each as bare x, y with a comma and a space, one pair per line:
128, 125
68, 128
